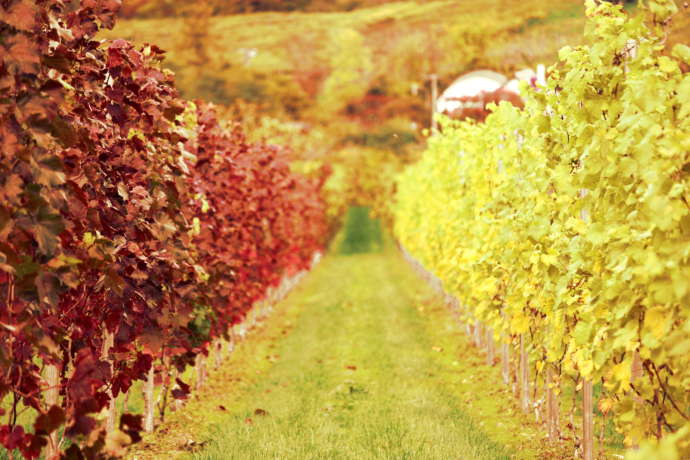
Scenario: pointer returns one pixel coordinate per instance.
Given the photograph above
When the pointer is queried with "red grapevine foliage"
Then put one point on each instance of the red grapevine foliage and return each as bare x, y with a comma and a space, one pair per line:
248, 199
121, 219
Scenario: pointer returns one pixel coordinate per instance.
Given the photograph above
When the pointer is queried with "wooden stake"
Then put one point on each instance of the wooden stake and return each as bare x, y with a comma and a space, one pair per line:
231, 341
636, 372
148, 402
505, 361
108, 342
125, 402
552, 418
524, 376
490, 353
52, 397
478, 334
217, 353
587, 421
200, 371
516, 372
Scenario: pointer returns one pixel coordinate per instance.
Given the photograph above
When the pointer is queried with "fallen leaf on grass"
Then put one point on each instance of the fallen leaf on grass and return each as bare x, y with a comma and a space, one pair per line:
192, 445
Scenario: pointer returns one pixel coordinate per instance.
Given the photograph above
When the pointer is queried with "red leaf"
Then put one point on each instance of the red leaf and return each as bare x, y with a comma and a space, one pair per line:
50, 421
82, 424
181, 390
23, 54
89, 374
11, 189
22, 15
117, 113
11, 439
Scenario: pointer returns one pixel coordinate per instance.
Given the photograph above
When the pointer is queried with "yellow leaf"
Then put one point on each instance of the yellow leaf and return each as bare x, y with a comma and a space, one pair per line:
586, 367
576, 225
622, 372
667, 65
540, 366
519, 324
488, 285
89, 238
548, 259
656, 322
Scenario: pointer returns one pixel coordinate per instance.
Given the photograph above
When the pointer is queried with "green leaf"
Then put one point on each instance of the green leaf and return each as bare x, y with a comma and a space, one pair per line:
682, 52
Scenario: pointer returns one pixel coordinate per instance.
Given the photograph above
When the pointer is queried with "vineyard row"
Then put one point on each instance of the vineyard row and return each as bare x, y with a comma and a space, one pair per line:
564, 228
135, 229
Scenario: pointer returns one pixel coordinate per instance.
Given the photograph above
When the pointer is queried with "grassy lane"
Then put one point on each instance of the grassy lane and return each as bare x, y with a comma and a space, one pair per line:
360, 362
355, 379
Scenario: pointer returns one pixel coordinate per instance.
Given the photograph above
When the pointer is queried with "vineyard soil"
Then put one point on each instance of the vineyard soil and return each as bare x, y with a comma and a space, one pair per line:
361, 361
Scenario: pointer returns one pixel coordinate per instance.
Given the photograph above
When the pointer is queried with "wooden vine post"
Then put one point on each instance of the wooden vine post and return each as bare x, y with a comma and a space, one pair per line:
523, 377
636, 372
505, 351
587, 421
217, 353
478, 334
125, 402
231, 340
505, 361
490, 351
108, 342
200, 366
148, 401
552, 409
52, 397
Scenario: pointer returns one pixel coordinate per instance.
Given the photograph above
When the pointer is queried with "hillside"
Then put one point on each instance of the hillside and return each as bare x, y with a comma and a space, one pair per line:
398, 44
163, 8
354, 84
284, 60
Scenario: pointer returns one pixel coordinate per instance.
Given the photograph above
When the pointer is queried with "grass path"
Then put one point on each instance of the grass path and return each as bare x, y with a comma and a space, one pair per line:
360, 362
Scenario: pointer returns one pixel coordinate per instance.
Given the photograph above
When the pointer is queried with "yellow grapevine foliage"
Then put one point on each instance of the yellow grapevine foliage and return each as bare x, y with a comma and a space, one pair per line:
569, 221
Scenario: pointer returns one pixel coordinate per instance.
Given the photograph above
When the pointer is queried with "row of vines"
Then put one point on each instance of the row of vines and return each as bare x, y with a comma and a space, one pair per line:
564, 228
135, 229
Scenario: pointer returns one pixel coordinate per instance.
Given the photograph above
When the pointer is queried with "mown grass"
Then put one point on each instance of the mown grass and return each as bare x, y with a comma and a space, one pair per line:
360, 233
355, 379
361, 362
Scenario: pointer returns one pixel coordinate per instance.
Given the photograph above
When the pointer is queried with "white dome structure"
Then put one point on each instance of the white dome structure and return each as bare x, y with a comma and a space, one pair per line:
469, 85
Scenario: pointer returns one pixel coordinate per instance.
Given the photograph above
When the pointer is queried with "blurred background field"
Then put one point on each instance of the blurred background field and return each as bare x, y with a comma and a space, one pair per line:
346, 83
